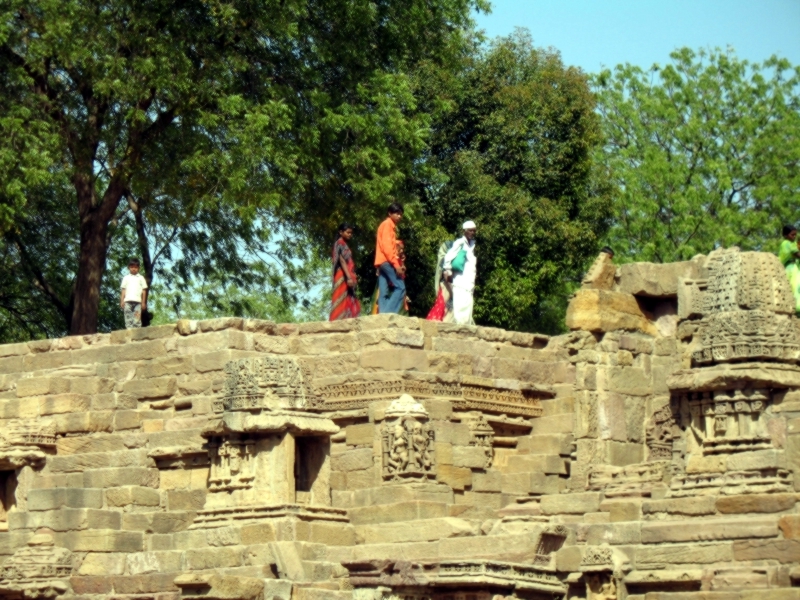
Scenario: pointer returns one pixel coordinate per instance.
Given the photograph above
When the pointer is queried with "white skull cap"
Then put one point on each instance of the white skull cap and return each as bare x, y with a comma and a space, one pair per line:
469, 225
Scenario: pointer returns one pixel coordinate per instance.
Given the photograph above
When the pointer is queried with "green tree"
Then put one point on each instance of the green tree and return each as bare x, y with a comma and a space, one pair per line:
207, 118
704, 151
511, 148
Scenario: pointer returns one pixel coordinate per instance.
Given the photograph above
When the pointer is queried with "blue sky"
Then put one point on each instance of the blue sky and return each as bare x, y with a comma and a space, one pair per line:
593, 34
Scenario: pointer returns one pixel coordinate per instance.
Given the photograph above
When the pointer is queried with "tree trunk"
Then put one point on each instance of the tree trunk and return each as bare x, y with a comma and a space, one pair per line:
93, 253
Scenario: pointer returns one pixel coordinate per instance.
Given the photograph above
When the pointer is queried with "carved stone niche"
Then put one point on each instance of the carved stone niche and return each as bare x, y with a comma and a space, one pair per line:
267, 459
481, 435
601, 571
407, 442
25, 443
39, 570
724, 421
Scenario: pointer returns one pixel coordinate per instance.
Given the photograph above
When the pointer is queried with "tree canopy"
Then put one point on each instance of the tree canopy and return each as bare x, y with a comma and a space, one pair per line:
704, 151
511, 148
203, 125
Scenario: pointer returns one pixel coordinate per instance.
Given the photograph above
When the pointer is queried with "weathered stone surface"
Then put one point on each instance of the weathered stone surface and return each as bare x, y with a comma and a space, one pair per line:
571, 503
756, 503
604, 310
659, 280
712, 529
784, 551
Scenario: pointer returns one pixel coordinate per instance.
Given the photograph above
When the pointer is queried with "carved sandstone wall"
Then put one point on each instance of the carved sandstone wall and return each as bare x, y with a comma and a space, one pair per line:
652, 453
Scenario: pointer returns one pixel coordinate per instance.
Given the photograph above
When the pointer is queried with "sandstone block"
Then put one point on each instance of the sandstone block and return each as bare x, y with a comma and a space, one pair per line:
452, 433
417, 531
40, 386
604, 310
790, 526
568, 559
571, 504
658, 280
145, 584
224, 536
756, 503
360, 435
394, 360
257, 533
91, 585
64, 403
100, 540
84, 422
712, 529
55, 498
701, 505
132, 495
473, 457
677, 554
622, 510
102, 564
185, 499
784, 551
518, 484
107, 478
151, 389
353, 460
214, 558
456, 477
400, 511
613, 533
491, 481
761, 459
136, 351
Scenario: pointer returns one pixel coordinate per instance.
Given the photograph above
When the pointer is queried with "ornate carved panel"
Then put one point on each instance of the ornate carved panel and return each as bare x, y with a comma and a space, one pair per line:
407, 440
660, 433
232, 465
725, 421
481, 435
38, 570
358, 394
23, 443
253, 383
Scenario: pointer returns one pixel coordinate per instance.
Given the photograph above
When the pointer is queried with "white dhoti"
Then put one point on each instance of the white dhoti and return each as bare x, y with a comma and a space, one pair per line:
463, 301
463, 282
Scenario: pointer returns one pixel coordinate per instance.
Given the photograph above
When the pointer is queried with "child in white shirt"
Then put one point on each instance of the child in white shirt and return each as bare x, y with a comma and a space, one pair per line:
134, 295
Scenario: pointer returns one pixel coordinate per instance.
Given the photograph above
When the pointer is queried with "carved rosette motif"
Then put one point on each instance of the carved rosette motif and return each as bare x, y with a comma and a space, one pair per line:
407, 440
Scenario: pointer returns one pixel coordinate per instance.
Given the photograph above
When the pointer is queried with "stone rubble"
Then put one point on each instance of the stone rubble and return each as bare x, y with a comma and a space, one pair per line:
652, 453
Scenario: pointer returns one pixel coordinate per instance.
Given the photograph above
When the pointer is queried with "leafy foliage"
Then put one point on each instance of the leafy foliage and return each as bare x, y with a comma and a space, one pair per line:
512, 142
200, 125
704, 151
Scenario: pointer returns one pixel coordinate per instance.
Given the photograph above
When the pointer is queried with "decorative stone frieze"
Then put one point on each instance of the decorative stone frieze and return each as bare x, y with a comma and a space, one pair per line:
253, 383
478, 394
25, 443
636, 480
39, 570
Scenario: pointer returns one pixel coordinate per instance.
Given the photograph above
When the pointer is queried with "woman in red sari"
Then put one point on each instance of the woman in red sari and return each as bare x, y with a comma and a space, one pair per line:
344, 304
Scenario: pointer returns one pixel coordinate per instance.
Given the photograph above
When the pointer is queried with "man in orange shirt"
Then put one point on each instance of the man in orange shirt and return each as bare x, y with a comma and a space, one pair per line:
391, 285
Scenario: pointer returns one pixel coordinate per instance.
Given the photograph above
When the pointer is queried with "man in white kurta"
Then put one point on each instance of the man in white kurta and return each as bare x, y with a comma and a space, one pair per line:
464, 280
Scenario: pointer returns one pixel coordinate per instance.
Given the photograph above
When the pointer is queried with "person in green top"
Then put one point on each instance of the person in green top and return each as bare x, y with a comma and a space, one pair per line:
789, 255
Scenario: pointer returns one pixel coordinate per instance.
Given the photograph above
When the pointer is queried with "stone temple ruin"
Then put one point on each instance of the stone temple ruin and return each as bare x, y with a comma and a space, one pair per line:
652, 453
